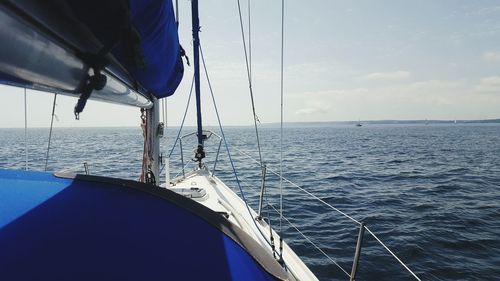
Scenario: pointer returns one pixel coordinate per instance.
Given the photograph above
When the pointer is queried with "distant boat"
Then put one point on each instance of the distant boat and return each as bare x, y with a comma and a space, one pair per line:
359, 124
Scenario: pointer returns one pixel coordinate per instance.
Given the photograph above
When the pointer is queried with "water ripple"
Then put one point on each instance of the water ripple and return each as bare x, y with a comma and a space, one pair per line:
431, 193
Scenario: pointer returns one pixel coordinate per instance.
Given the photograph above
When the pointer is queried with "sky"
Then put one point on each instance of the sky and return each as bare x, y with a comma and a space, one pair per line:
343, 60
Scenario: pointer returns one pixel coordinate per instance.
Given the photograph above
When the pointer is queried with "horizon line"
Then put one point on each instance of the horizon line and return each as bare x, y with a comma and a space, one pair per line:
379, 121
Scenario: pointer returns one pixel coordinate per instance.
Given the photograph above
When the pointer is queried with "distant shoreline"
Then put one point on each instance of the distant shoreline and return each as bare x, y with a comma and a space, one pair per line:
313, 124
386, 122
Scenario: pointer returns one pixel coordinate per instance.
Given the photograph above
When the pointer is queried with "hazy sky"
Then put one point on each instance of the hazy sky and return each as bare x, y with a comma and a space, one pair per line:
344, 60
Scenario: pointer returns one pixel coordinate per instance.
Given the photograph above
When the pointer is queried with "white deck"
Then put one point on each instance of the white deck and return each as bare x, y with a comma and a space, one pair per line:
221, 198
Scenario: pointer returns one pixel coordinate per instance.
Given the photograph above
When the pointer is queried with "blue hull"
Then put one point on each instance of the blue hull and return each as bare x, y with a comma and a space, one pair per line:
86, 228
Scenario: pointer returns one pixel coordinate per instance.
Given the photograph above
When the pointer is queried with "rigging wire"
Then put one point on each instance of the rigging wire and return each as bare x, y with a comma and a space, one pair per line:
281, 119
331, 207
50, 131
298, 230
311, 242
394, 255
182, 124
300, 188
255, 118
249, 40
25, 131
183, 119
247, 62
227, 149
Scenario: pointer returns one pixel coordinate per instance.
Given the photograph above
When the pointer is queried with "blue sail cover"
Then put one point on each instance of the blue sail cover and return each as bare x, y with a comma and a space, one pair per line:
142, 36
75, 229
136, 40
155, 60
163, 68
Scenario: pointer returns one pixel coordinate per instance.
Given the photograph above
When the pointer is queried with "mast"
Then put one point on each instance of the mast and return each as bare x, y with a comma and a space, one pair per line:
156, 132
200, 153
153, 131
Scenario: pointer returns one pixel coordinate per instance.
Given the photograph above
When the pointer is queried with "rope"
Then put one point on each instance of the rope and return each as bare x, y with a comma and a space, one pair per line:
25, 131
50, 131
249, 76
387, 248
145, 154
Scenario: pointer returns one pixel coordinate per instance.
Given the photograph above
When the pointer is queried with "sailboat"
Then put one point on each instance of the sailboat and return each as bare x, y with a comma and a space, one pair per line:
60, 226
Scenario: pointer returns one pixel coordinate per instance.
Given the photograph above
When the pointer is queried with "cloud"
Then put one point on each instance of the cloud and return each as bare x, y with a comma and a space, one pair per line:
489, 85
314, 108
491, 56
434, 86
395, 75
309, 111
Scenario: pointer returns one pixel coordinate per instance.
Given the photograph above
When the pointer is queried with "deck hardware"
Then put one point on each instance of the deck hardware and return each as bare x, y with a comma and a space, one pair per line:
86, 167
161, 129
182, 158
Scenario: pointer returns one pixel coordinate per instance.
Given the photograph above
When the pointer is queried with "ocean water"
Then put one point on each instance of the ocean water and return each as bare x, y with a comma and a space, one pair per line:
431, 193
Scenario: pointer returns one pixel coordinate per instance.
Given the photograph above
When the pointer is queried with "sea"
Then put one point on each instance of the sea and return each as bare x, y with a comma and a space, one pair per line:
431, 193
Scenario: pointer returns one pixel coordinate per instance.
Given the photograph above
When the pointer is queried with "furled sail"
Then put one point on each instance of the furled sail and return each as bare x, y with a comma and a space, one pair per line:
144, 36
56, 45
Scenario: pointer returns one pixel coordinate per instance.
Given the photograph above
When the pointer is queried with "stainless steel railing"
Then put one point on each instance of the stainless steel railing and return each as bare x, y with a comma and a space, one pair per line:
361, 233
208, 134
363, 228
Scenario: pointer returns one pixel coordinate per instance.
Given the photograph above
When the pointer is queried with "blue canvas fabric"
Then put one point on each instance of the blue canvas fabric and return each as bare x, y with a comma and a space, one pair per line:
72, 229
153, 59
163, 68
